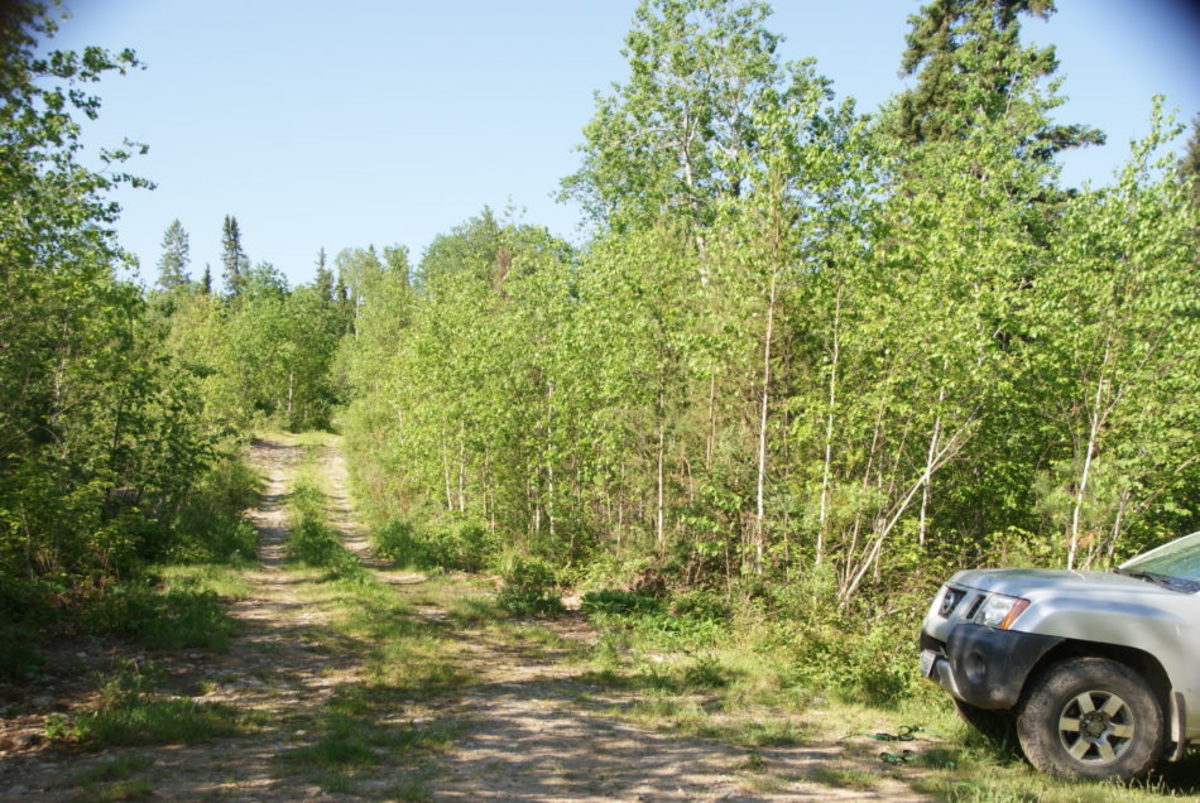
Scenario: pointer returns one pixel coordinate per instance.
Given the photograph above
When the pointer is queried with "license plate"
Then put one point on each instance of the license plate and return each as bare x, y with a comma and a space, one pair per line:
928, 659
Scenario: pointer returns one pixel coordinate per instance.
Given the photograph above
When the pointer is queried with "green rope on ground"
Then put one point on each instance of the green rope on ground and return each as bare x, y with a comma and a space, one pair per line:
904, 733
896, 759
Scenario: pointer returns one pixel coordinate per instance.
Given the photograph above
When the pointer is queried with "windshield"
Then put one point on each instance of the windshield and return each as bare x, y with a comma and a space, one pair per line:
1179, 558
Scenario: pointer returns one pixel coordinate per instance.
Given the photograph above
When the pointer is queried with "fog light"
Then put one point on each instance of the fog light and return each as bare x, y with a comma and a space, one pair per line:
975, 667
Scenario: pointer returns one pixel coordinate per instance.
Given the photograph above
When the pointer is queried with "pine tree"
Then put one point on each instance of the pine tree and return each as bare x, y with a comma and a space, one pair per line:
172, 266
206, 282
232, 256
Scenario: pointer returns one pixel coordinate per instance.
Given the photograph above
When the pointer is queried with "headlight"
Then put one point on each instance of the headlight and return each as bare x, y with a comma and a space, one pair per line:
1000, 611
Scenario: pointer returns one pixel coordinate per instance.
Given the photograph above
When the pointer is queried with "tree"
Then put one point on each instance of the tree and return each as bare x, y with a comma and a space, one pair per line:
971, 67
1116, 356
678, 136
1189, 165
232, 256
98, 436
172, 265
323, 283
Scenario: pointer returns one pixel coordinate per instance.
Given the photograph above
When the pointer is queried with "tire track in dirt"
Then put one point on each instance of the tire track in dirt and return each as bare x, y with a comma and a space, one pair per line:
275, 671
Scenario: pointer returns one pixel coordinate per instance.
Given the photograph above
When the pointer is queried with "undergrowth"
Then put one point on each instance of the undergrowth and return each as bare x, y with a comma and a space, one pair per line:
170, 599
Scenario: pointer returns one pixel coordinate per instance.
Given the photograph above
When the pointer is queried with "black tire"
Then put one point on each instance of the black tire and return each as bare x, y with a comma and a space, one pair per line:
998, 727
1091, 718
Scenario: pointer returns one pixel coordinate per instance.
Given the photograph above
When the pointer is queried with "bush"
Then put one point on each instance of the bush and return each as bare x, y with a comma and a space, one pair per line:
399, 542
311, 541
529, 586
862, 653
469, 547
209, 527
163, 620
19, 654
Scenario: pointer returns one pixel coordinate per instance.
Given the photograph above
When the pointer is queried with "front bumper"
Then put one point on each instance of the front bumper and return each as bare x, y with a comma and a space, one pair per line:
983, 666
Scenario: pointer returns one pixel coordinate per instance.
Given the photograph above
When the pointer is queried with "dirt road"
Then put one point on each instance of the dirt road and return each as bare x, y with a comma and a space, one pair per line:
512, 718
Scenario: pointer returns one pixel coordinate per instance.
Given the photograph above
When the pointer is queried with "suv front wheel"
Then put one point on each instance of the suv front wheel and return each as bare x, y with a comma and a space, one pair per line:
1091, 718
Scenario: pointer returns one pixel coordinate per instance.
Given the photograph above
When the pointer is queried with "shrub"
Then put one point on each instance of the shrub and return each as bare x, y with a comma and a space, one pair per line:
18, 650
399, 542
529, 586
468, 547
209, 527
163, 620
621, 603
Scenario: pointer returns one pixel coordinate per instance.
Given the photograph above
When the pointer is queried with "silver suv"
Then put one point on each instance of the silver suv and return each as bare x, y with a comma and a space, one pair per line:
1099, 672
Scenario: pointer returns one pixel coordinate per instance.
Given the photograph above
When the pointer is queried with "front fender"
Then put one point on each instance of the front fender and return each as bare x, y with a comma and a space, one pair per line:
986, 667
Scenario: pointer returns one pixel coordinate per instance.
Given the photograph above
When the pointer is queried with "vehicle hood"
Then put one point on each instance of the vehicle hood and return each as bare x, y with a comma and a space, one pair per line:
1034, 584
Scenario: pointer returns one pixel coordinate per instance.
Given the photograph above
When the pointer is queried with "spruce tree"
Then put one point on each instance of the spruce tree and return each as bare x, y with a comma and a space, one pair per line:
172, 265
971, 68
1189, 165
324, 279
232, 256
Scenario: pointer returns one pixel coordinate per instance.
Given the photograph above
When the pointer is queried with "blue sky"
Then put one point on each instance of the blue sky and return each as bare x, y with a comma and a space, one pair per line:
347, 124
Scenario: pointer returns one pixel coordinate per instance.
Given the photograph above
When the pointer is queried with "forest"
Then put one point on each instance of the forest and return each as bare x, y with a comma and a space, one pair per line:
809, 360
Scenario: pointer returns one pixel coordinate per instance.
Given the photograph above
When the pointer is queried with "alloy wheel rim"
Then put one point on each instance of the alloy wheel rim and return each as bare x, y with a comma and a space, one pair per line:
1095, 727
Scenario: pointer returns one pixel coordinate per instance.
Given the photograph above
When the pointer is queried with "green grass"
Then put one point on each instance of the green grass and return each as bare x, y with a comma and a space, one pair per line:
226, 582
164, 721
117, 768
311, 542
133, 789
845, 777
136, 708
357, 734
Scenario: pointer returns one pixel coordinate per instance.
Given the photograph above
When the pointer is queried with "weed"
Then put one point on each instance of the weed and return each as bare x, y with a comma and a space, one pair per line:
845, 777
621, 603
134, 789
311, 542
771, 733
475, 610
133, 712
113, 769
58, 727
707, 672
335, 783
157, 721
413, 788
224, 581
